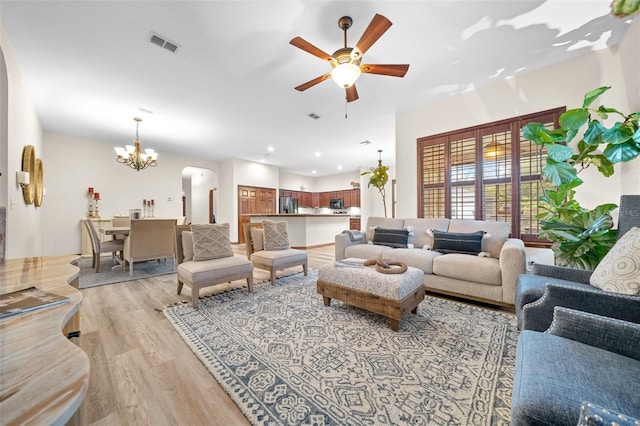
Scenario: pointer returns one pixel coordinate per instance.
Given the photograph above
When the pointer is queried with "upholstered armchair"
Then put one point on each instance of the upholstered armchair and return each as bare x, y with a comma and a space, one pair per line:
149, 239
548, 286
205, 258
583, 361
267, 245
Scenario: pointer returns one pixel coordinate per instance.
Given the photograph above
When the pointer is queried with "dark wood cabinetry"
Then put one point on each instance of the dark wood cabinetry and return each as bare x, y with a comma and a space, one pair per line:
354, 223
351, 197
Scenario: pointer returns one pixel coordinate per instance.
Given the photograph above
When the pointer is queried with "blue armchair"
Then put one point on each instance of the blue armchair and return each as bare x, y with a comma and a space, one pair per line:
581, 358
548, 286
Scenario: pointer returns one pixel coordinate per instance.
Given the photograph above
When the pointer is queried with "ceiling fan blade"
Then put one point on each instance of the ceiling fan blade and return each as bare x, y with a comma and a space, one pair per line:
392, 70
378, 25
301, 43
352, 93
311, 83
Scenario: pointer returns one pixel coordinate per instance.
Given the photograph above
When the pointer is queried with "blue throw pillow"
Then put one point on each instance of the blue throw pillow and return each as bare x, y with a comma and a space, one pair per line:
396, 238
455, 242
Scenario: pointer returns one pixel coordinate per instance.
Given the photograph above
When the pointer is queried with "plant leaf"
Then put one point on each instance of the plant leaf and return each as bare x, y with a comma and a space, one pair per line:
603, 164
591, 96
593, 134
573, 119
617, 134
622, 152
559, 172
559, 152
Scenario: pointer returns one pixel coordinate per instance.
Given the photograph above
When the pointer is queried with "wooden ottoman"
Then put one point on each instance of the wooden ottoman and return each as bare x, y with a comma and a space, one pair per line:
390, 295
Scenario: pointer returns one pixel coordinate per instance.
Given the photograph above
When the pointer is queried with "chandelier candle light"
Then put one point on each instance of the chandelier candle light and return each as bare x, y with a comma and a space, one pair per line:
132, 155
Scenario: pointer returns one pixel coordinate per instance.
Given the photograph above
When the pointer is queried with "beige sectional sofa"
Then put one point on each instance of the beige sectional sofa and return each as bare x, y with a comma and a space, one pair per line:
488, 277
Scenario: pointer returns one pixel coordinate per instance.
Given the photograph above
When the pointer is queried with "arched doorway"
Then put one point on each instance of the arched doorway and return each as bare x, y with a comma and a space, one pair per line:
199, 194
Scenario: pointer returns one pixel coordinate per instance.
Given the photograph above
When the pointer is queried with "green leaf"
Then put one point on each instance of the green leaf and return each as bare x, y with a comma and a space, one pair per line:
603, 164
573, 119
559, 152
593, 134
636, 135
540, 135
622, 152
591, 96
559, 173
607, 110
617, 134
570, 135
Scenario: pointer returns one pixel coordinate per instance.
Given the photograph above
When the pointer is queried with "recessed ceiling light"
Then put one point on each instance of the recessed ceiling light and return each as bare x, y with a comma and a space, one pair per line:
262, 161
339, 167
365, 143
318, 154
313, 172
270, 149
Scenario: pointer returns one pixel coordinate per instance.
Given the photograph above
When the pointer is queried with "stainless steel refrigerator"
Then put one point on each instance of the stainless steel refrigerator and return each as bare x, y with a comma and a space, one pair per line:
288, 205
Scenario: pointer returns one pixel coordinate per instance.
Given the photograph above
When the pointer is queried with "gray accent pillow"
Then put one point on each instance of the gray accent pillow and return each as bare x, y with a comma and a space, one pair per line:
619, 270
187, 246
211, 241
257, 236
276, 236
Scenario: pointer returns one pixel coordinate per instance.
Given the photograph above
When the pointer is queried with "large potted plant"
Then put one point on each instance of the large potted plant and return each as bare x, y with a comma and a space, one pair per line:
379, 176
581, 237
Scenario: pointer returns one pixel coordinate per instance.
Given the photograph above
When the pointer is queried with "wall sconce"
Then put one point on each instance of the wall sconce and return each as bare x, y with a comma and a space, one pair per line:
22, 178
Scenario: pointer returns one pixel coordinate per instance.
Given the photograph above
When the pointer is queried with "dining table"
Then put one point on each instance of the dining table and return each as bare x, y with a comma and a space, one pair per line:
115, 232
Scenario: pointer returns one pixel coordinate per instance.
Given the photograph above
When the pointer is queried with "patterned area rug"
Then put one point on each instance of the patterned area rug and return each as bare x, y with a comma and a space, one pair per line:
110, 274
286, 359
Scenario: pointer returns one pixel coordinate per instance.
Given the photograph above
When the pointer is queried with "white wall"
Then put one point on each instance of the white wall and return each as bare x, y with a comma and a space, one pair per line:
202, 181
296, 182
24, 222
93, 163
337, 182
563, 84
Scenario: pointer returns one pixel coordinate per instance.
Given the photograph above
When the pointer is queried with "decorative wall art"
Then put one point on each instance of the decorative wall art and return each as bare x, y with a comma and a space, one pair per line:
33, 191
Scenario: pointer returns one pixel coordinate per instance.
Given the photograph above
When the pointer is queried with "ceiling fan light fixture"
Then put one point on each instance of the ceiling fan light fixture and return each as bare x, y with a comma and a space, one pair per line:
345, 75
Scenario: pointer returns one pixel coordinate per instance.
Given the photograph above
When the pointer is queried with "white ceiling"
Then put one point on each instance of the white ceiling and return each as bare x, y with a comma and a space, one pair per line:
228, 91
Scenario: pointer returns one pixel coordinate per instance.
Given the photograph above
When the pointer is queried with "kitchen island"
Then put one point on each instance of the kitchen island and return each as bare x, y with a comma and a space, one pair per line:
308, 230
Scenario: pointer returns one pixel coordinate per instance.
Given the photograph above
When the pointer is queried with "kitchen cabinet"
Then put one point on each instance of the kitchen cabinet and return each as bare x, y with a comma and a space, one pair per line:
315, 199
305, 200
285, 193
354, 223
324, 199
355, 198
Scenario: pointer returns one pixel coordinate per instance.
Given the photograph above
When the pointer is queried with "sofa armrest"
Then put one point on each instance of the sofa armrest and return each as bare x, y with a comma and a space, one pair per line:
343, 241
513, 262
562, 273
538, 315
606, 333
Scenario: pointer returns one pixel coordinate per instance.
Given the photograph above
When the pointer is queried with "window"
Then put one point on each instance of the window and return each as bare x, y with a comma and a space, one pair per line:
488, 172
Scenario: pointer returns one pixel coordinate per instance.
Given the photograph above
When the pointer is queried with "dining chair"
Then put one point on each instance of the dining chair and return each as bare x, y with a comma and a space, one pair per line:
150, 239
99, 247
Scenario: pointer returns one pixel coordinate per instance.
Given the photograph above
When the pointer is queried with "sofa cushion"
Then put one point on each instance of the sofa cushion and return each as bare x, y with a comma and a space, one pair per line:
213, 269
457, 242
382, 222
492, 243
418, 258
187, 246
276, 236
211, 241
619, 270
483, 270
395, 238
365, 251
420, 238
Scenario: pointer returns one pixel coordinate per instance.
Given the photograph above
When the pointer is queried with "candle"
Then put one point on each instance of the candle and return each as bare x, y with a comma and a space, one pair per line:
144, 201
96, 195
151, 202
90, 190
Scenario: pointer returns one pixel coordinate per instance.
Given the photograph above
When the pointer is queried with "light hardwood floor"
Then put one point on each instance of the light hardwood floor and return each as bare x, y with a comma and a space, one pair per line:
142, 372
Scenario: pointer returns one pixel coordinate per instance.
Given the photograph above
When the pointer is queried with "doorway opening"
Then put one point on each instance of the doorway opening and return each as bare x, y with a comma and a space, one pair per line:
199, 194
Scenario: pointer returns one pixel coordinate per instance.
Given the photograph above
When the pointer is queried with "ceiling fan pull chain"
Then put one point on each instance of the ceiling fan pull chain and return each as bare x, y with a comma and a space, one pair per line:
346, 104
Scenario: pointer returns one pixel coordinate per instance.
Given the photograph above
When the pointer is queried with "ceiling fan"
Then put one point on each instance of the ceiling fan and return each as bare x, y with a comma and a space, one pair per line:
345, 62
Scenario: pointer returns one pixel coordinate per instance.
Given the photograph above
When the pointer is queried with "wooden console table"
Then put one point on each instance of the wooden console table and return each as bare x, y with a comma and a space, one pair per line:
43, 375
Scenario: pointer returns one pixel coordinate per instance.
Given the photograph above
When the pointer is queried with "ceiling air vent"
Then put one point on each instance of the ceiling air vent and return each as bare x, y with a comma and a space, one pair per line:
314, 116
165, 44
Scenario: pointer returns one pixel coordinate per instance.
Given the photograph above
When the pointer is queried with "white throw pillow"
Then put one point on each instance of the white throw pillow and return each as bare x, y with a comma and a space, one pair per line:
257, 236
211, 241
619, 270
187, 246
276, 236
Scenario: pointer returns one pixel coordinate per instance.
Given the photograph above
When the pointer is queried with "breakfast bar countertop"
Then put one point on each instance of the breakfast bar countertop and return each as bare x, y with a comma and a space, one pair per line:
308, 230
297, 215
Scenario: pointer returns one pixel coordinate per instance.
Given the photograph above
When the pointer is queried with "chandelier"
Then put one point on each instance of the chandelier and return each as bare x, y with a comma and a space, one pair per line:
132, 155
